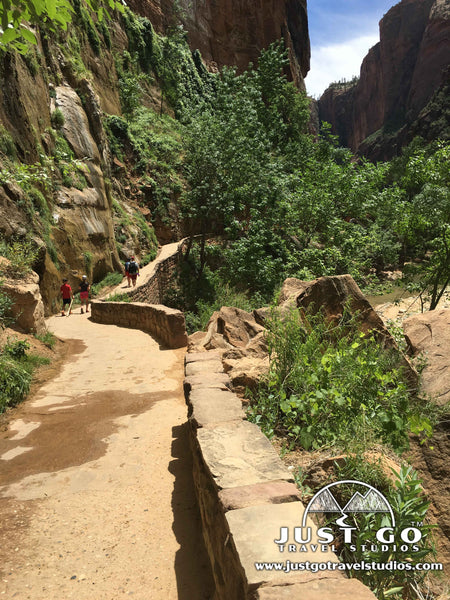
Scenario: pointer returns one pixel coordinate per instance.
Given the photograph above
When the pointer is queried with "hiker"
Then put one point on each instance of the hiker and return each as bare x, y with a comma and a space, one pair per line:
127, 274
84, 293
133, 270
67, 296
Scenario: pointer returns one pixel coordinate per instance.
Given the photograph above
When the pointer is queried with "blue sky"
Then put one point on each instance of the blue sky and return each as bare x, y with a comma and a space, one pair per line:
341, 33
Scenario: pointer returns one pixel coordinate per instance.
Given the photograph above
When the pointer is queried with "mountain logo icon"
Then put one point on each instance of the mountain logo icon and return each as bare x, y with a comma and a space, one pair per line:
372, 501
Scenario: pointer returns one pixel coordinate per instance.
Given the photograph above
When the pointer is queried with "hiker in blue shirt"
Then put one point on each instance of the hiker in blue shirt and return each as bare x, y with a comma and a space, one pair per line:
133, 270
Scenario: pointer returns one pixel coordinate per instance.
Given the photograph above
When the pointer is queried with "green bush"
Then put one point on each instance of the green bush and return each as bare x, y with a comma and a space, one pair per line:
57, 118
118, 298
16, 348
108, 280
51, 249
22, 255
39, 203
330, 385
409, 505
200, 294
7, 145
16, 371
47, 338
87, 261
15, 381
140, 38
5, 309
130, 92
147, 258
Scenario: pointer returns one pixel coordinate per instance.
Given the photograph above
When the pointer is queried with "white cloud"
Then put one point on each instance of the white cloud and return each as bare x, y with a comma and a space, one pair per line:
337, 61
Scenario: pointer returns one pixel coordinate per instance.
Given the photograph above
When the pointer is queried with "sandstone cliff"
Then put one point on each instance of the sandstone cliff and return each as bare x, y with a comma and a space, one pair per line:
400, 77
234, 32
75, 218
59, 182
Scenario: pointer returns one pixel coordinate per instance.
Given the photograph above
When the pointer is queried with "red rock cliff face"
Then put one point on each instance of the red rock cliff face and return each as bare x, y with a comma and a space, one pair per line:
233, 32
398, 78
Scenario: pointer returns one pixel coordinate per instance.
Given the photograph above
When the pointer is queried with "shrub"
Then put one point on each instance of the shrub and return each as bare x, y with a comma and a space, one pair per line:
47, 338
109, 280
147, 258
5, 308
410, 506
130, 92
57, 118
15, 381
118, 298
87, 260
39, 203
22, 255
330, 385
16, 370
16, 348
7, 145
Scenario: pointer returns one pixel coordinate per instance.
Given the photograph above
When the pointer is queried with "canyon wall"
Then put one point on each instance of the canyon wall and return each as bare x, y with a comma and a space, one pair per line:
233, 32
78, 224
400, 78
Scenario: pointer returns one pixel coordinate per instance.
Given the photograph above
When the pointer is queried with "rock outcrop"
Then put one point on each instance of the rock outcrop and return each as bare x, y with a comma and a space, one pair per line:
334, 296
84, 216
429, 333
239, 336
27, 308
234, 32
400, 77
240, 340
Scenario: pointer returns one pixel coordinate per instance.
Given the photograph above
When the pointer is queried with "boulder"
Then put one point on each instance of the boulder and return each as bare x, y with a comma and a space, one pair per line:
242, 342
28, 308
228, 328
290, 290
195, 342
237, 326
429, 333
333, 295
246, 372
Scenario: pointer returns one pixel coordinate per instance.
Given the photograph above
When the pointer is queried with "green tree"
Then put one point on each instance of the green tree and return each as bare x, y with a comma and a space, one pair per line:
236, 169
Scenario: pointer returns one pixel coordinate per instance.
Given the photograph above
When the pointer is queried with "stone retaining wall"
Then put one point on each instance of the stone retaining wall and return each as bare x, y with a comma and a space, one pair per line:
153, 291
245, 495
166, 324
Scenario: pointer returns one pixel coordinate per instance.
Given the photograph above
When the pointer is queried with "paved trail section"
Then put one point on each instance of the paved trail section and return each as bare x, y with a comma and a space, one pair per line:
147, 272
96, 492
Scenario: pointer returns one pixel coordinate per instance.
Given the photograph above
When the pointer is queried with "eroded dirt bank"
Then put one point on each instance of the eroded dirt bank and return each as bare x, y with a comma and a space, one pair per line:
96, 496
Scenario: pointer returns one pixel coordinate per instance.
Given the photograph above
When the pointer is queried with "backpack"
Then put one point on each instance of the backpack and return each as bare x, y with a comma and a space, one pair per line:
127, 264
132, 268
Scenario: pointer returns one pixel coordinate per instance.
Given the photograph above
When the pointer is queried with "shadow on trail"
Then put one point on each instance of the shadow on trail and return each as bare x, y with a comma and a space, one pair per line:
192, 568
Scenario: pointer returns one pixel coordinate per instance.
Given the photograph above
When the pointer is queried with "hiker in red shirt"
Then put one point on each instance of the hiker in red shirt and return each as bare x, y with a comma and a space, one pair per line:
67, 295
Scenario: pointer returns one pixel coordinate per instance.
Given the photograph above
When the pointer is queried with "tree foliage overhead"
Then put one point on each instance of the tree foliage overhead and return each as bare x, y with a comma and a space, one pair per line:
18, 17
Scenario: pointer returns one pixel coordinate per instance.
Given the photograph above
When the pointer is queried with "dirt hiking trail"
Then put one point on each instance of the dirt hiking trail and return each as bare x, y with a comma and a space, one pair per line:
96, 491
